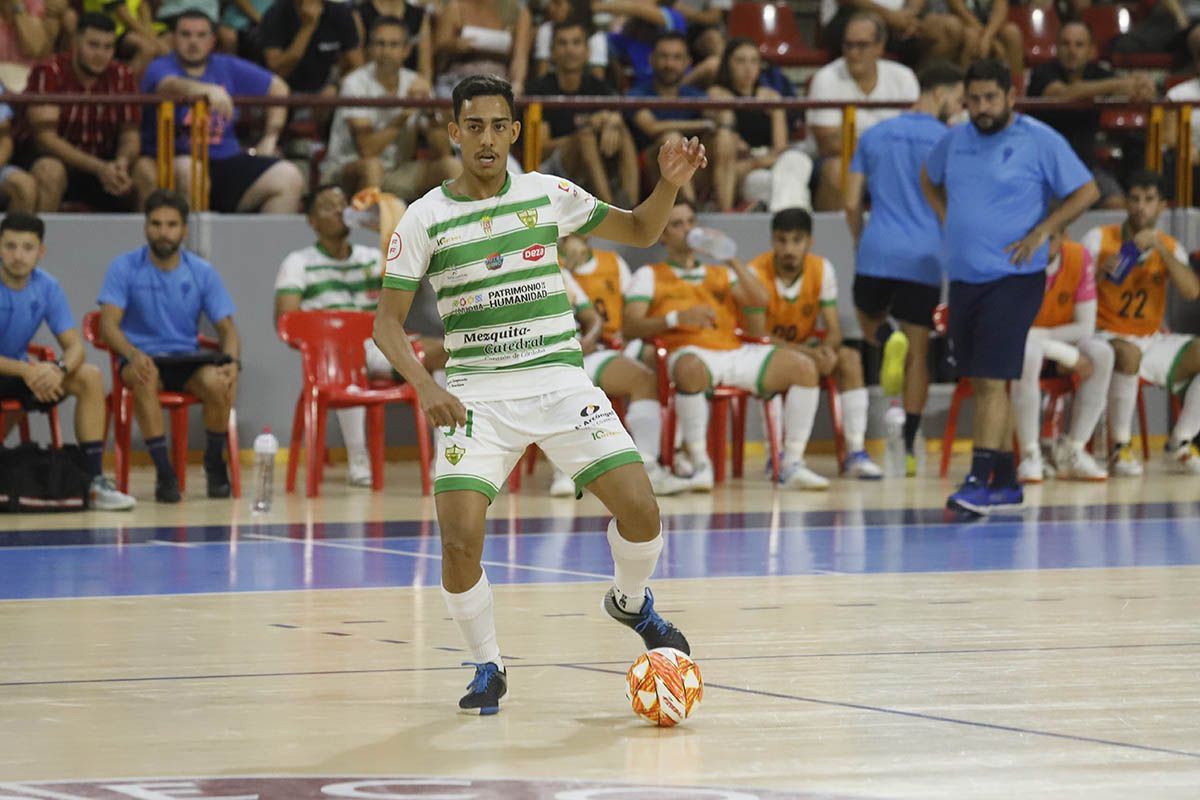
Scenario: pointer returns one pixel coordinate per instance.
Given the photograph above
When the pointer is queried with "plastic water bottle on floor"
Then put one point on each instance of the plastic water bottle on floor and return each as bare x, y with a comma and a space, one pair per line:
711, 244
893, 455
265, 448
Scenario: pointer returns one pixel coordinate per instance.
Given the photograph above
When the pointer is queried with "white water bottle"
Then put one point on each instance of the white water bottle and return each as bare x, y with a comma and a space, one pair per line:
893, 454
361, 218
711, 244
265, 448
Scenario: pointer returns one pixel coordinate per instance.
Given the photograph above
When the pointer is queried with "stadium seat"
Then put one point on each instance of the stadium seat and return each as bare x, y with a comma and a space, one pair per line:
773, 26
1039, 31
41, 353
120, 405
335, 376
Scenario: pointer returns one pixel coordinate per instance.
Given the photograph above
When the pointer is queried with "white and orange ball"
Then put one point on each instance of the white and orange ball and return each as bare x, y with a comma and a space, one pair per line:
664, 686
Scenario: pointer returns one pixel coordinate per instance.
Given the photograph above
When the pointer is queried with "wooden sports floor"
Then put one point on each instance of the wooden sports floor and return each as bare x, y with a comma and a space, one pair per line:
854, 644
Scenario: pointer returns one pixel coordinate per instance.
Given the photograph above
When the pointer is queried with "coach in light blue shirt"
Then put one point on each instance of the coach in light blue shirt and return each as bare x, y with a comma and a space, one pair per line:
993, 183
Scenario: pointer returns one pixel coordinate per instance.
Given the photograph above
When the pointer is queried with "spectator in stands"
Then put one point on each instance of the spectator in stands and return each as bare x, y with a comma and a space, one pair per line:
150, 306
377, 146
752, 147
987, 33
651, 128
170, 10
138, 41
861, 73
917, 31
238, 32
28, 297
585, 146
17, 187
577, 11
334, 274
253, 181
303, 40
482, 37
1073, 76
417, 21
645, 22
1165, 29
1188, 91
82, 152
30, 30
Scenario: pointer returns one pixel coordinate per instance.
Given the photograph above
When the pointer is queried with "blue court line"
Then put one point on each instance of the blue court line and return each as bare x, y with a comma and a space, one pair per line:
920, 715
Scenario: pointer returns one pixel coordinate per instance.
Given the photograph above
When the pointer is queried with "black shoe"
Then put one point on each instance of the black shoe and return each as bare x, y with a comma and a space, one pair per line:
654, 630
217, 477
166, 489
485, 689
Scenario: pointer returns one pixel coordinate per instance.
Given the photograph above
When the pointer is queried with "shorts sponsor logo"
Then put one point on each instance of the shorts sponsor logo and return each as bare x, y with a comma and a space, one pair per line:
454, 453
511, 295
595, 419
528, 217
395, 245
589, 409
494, 261
598, 435
534, 253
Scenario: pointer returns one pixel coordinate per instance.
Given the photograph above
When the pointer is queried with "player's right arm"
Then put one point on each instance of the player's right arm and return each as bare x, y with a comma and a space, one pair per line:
442, 408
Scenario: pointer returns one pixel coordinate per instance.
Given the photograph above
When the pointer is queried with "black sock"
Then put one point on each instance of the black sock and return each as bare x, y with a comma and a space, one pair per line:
884, 332
983, 461
93, 454
911, 423
1004, 471
157, 445
215, 445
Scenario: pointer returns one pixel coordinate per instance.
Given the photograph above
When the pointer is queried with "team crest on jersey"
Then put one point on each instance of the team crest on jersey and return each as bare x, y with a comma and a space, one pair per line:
528, 217
494, 261
454, 454
486, 224
394, 246
807, 310
1064, 298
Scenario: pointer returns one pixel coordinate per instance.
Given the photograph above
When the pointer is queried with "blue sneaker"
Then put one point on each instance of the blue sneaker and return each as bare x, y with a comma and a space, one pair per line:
972, 497
859, 465
654, 630
1006, 498
485, 689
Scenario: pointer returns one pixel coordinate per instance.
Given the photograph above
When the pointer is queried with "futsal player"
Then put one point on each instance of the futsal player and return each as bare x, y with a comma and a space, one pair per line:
487, 242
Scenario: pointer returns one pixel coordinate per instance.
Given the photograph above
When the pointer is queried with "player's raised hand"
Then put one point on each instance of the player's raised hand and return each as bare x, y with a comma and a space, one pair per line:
442, 408
678, 160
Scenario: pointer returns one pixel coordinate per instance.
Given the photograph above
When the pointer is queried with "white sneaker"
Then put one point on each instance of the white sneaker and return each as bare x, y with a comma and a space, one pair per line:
682, 465
859, 465
798, 476
1031, 469
1077, 464
1184, 460
1123, 463
702, 478
664, 483
359, 473
104, 496
562, 485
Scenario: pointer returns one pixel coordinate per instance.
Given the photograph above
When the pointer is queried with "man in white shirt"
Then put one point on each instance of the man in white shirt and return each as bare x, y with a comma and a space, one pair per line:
376, 146
860, 74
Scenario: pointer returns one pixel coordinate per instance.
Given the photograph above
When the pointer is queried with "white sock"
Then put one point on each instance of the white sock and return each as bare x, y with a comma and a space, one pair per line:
633, 564
1027, 397
1122, 401
1090, 398
799, 413
472, 610
352, 422
854, 418
692, 413
645, 426
1188, 424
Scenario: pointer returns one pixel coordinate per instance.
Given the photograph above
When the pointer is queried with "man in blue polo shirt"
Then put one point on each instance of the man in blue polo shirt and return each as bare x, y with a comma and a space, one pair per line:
992, 183
898, 272
150, 306
30, 296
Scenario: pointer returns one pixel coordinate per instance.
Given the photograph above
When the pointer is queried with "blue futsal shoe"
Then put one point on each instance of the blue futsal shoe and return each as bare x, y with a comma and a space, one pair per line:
973, 497
654, 630
485, 689
1006, 498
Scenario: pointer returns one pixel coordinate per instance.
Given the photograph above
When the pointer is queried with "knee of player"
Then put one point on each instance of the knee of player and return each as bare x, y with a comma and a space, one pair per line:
1189, 363
1128, 358
640, 512
87, 380
801, 371
690, 375
645, 383
849, 362
1100, 354
460, 550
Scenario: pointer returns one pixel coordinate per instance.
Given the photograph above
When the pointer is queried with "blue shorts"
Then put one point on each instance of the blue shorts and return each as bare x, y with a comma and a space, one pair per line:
989, 323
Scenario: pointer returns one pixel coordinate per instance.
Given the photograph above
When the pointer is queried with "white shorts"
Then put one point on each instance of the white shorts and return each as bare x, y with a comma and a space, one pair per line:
577, 430
743, 367
1160, 353
595, 362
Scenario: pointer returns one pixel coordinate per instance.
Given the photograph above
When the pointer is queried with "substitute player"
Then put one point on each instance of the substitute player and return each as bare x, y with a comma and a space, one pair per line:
1065, 334
898, 266
694, 308
1131, 311
802, 290
487, 242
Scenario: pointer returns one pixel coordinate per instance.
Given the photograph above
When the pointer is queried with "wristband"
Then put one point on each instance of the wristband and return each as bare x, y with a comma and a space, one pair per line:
672, 319
61, 365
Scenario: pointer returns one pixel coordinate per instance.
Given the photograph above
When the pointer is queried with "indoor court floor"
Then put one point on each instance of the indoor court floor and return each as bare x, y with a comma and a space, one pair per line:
859, 643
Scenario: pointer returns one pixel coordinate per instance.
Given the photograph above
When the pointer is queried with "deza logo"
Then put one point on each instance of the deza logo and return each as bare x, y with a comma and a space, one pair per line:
534, 252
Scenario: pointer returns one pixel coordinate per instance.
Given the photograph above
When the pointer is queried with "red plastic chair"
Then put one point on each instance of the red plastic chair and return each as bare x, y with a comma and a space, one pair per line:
120, 406
335, 376
1039, 31
41, 353
773, 26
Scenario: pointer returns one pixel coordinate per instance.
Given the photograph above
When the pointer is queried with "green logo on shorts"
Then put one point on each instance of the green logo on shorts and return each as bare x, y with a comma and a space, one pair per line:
454, 453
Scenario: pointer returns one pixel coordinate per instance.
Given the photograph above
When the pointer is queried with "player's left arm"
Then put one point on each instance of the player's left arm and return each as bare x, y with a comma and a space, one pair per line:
678, 161
1182, 275
748, 291
72, 349
1068, 210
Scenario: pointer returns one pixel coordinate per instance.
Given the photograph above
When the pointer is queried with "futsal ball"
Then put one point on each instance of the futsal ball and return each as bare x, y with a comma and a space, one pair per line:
664, 686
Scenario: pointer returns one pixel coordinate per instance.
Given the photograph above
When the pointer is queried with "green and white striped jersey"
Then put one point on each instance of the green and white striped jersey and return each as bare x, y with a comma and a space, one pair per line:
324, 282
493, 264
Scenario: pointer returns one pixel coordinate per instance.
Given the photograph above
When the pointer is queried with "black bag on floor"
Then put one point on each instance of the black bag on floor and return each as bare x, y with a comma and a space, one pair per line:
33, 478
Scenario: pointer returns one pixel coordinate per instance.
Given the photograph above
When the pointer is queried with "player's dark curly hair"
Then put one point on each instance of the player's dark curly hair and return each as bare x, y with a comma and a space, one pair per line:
165, 198
990, 69
483, 86
792, 219
20, 222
